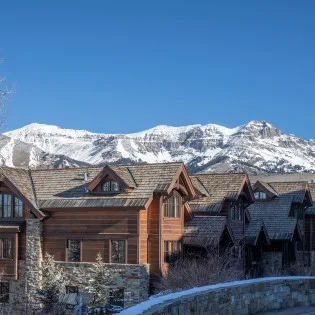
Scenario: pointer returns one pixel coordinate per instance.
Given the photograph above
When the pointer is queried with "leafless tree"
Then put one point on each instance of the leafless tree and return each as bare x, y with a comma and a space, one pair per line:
195, 270
4, 94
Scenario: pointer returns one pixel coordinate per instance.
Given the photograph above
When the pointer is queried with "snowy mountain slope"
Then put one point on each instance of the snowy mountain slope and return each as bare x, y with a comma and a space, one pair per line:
16, 153
257, 147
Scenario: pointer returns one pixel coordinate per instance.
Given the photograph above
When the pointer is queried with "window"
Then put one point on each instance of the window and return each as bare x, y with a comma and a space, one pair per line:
5, 248
72, 289
18, 208
260, 195
74, 250
236, 211
110, 186
116, 297
173, 206
7, 206
171, 250
118, 255
10, 206
4, 292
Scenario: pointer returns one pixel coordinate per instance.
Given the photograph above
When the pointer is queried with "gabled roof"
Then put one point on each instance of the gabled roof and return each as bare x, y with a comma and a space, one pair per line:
66, 188
121, 175
215, 188
253, 230
298, 190
206, 230
275, 215
20, 182
259, 185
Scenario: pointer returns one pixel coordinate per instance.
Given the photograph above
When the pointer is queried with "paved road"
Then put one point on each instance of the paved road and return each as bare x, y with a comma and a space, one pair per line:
293, 311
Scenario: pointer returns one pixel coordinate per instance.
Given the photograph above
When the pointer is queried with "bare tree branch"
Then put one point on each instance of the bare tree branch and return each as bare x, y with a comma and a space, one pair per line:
5, 92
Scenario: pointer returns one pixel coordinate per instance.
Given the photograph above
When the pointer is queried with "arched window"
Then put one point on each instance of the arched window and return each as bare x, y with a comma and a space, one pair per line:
260, 195
110, 186
173, 206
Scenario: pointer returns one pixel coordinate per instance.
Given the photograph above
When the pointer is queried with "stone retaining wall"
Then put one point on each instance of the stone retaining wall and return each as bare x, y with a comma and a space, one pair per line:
133, 278
239, 297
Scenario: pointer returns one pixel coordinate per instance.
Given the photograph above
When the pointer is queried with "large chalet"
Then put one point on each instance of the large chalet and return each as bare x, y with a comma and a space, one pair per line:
139, 217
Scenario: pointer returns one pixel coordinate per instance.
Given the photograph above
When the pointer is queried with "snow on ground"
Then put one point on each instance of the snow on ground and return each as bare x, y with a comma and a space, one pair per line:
155, 300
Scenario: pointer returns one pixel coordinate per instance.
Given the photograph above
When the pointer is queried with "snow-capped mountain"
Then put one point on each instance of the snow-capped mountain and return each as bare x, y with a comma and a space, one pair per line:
16, 153
257, 147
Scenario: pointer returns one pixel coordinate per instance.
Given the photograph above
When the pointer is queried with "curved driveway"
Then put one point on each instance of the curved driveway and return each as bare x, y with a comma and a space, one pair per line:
293, 311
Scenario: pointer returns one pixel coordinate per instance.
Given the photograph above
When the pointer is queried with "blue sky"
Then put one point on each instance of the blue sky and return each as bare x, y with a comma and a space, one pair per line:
125, 66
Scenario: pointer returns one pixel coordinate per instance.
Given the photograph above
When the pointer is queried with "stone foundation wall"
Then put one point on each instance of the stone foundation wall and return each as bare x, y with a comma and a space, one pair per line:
134, 279
239, 297
17, 298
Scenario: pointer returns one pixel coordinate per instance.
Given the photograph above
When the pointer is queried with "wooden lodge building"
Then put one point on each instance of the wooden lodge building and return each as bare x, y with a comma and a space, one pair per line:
139, 217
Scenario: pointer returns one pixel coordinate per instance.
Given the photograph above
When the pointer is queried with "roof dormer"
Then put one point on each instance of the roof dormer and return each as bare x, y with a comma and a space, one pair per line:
109, 181
263, 191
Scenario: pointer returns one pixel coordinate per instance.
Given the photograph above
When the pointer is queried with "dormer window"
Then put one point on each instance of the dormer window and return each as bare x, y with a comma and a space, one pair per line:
260, 195
110, 186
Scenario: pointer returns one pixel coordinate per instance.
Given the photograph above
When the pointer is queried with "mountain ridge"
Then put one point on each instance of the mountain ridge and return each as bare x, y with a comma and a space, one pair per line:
256, 147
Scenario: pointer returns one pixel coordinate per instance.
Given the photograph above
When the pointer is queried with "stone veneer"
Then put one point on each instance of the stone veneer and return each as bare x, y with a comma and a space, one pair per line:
23, 292
133, 278
239, 297
33, 258
17, 299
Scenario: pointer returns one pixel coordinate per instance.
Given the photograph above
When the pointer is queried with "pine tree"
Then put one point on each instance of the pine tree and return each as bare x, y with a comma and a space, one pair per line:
53, 284
98, 286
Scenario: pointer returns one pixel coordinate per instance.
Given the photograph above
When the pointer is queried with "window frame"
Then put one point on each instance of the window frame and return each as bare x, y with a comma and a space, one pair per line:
11, 206
171, 250
236, 209
260, 193
6, 297
111, 251
111, 184
2, 251
173, 206
68, 250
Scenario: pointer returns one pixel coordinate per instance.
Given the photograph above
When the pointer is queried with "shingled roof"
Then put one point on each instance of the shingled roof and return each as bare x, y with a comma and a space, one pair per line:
206, 230
63, 188
298, 190
253, 230
215, 188
266, 187
275, 215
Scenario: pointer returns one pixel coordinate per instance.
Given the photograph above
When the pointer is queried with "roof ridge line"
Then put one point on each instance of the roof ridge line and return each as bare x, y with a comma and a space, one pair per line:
33, 187
132, 177
203, 186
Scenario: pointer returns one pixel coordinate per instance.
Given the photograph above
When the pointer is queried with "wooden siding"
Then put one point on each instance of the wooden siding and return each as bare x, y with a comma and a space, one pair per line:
153, 236
95, 228
143, 236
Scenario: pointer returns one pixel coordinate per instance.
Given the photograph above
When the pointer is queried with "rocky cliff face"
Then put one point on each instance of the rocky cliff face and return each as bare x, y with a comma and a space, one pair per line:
256, 147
